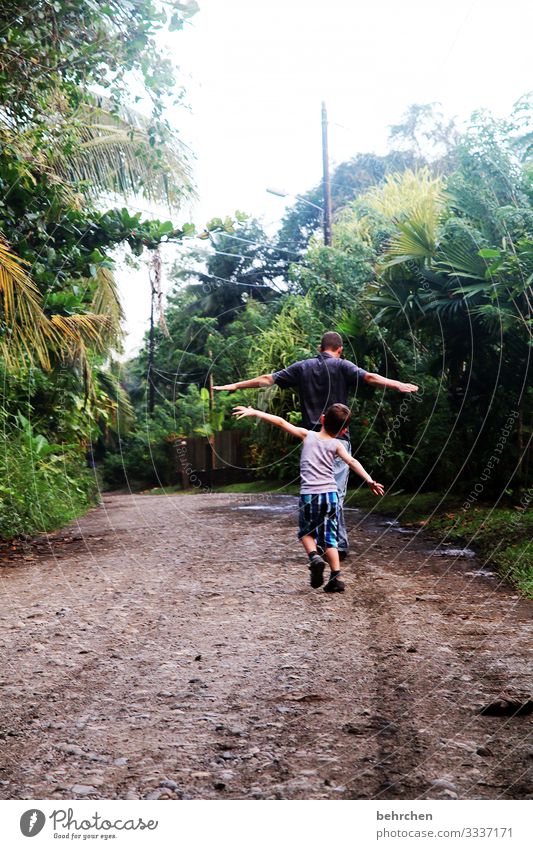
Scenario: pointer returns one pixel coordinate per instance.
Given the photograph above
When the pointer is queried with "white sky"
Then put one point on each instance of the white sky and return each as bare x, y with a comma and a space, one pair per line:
256, 72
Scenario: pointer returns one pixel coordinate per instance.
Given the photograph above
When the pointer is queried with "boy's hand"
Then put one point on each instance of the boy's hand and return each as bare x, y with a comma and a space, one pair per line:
228, 387
403, 387
242, 412
377, 488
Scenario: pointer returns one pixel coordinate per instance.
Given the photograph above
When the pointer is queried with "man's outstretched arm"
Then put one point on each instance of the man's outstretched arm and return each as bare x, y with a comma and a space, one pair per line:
378, 380
254, 383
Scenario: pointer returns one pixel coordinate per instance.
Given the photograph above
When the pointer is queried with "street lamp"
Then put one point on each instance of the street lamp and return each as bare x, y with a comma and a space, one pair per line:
281, 194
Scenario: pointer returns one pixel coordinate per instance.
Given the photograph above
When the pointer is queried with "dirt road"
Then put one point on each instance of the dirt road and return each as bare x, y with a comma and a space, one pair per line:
170, 647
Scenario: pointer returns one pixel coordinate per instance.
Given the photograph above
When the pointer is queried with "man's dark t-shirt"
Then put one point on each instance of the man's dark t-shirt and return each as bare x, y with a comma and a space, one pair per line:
321, 381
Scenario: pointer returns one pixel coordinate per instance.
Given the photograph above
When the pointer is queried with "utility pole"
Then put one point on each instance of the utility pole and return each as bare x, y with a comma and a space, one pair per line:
151, 350
156, 293
211, 384
325, 180
210, 456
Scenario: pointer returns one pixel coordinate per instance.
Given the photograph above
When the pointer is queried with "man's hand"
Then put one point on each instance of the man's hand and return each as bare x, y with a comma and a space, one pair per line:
243, 412
377, 488
228, 387
406, 387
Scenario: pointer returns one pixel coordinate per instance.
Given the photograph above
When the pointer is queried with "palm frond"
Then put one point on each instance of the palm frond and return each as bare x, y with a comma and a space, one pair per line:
442, 306
496, 317
407, 193
473, 290
415, 240
396, 305
106, 298
413, 202
106, 301
116, 153
74, 333
27, 335
24, 332
461, 260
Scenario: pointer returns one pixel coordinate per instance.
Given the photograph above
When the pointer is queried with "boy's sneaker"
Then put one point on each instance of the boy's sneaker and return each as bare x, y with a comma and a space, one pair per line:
334, 585
316, 567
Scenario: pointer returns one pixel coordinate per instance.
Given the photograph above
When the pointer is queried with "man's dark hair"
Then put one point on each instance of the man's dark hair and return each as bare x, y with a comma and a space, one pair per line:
331, 341
336, 418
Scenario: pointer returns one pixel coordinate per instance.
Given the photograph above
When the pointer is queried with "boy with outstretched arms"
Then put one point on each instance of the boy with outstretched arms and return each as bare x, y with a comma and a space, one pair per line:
318, 492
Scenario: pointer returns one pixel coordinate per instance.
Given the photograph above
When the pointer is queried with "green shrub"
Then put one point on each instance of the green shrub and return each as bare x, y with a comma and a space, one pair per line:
143, 459
43, 486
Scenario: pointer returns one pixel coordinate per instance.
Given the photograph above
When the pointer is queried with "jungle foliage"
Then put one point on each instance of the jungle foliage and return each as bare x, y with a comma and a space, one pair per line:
70, 137
429, 281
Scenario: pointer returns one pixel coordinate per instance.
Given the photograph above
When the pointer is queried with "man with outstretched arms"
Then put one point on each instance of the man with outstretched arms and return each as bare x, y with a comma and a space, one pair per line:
321, 381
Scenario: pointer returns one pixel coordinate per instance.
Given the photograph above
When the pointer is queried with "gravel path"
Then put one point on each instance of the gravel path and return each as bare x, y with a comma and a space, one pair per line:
170, 647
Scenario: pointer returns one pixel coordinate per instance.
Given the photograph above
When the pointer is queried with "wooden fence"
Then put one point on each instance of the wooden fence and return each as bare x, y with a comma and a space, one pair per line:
201, 462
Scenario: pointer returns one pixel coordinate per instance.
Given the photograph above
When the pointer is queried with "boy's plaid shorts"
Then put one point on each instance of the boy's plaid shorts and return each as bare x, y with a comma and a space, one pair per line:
317, 514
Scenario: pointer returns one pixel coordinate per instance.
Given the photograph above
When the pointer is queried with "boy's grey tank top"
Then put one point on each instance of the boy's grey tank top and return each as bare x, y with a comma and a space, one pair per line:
316, 464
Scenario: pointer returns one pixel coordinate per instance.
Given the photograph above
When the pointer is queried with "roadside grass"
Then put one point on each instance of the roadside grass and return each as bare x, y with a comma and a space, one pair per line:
276, 487
502, 537
250, 487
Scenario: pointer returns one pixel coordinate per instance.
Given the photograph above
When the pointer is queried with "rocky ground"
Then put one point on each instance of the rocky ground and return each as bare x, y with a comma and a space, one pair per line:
170, 647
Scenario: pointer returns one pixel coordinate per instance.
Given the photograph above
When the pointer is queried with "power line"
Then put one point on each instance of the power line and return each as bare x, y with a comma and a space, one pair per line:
225, 253
257, 243
199, 273
180, 382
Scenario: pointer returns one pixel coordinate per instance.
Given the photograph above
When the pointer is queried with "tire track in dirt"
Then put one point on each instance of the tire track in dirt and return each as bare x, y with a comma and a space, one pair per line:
432, 644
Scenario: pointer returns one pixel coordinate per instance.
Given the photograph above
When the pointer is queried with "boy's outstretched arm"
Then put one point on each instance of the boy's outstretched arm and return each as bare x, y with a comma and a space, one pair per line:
355, 465
254, 383
242, 412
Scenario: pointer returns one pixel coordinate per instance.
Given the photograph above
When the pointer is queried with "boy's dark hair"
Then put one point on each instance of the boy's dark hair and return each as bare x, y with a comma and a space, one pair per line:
331, 341
336, 418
